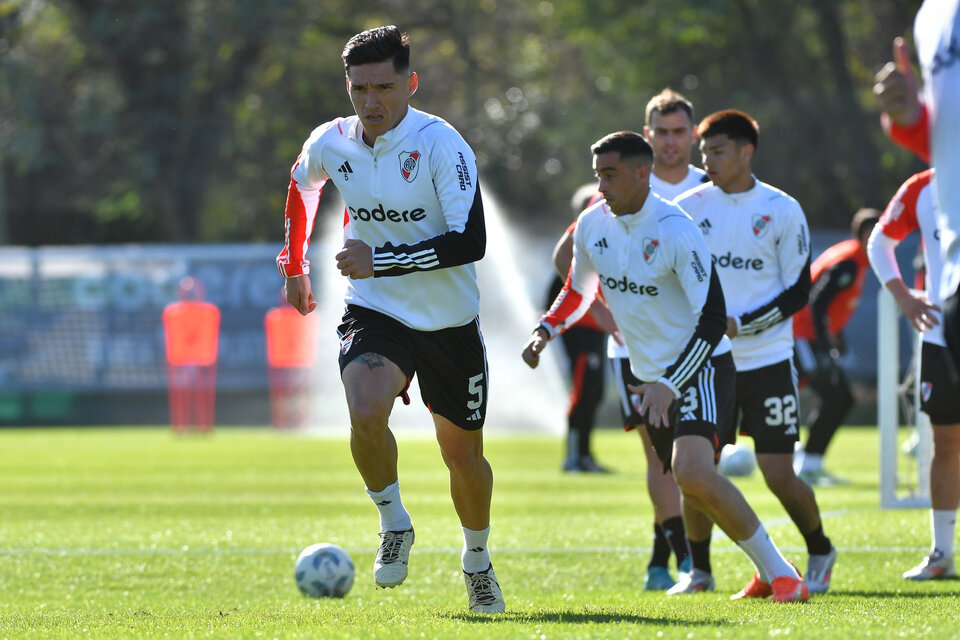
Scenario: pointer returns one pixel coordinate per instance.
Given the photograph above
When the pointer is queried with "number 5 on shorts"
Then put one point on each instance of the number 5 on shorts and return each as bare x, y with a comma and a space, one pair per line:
475, 387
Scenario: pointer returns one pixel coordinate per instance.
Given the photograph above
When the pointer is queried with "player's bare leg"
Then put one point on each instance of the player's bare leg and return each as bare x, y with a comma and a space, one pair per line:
669, 526
711, 493
794, 494
944, 500
371, 384
471, 487
798, 499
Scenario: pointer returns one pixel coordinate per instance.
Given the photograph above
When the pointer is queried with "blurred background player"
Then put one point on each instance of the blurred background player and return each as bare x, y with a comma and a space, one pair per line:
645, 255
585, 345
838, 275
760, 248
670, 132
913, 208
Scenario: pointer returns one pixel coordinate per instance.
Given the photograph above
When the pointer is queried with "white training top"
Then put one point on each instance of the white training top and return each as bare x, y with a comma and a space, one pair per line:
760, 246
936, 33
650, 269
668, 191
910, 209
414, 199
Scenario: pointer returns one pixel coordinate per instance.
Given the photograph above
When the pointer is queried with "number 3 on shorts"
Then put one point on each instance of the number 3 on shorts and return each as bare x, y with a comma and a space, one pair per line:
475, 388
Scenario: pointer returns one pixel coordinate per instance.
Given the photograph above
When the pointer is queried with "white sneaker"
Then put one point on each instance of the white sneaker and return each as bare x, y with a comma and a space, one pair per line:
696, 581
934, 567
390, 567
819, 570
483, 592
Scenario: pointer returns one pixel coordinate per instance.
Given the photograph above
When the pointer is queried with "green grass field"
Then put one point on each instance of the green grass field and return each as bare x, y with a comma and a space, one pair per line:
135, 533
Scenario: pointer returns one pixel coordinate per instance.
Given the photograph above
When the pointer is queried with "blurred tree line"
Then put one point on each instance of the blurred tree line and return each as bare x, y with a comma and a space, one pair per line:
178, 120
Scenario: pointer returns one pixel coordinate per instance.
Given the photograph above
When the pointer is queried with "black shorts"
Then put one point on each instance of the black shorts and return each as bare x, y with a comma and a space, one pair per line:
622, 376
768, 406
939, 399
450, 364
704, 408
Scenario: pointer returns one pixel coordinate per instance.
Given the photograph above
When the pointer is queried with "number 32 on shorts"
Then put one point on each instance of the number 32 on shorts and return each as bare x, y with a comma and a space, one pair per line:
781, 411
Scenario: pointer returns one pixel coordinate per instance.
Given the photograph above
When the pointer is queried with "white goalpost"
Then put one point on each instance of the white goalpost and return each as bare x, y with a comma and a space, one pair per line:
909, 486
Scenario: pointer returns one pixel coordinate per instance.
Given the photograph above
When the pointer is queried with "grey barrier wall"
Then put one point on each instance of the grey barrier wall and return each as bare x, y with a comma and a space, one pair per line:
81, 337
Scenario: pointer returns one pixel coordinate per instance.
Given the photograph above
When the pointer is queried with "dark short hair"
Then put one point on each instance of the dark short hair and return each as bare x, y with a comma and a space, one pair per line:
629, 144
668, 101
737, 125
378, 45
864, 220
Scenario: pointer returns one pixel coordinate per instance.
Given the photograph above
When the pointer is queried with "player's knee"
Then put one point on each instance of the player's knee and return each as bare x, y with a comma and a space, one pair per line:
691, 476
368, 419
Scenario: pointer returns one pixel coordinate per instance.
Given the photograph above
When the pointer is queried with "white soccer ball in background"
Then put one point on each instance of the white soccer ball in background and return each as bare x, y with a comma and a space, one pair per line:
324, 570
737, 460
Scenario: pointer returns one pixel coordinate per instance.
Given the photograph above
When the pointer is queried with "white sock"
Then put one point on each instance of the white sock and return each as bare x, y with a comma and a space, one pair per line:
393, 515
811, 463
769, 561
943, 523
476, 555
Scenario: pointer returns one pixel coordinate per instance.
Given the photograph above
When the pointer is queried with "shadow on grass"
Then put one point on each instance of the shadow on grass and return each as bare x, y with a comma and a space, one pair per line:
908, 595
580, 617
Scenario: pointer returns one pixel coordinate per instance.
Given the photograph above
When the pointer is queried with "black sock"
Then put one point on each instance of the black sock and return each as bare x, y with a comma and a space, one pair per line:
817, 543
677, 536
661, 548
700, 554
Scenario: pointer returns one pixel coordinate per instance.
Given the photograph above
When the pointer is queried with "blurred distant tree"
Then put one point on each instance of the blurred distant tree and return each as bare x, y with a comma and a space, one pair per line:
178, 120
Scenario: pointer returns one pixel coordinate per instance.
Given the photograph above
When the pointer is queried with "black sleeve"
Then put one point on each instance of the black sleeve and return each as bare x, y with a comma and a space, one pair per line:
790, 301
711, 327
449, 249
830, 284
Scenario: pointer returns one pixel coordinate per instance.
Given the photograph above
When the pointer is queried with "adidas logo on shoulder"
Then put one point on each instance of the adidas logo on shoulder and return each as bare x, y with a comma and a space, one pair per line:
345, 170
601, 244
705, 226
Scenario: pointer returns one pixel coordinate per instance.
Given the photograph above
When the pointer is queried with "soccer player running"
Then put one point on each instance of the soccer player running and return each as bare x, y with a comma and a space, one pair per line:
837, 277
645, 253
913, 208
760, 249
413, 229
670, 131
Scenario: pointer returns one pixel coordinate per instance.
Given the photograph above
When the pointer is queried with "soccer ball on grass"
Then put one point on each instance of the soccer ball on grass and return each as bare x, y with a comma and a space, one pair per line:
324, 570
736, 460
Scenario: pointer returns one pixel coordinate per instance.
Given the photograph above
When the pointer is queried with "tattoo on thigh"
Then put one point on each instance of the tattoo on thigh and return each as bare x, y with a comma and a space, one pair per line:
372, 360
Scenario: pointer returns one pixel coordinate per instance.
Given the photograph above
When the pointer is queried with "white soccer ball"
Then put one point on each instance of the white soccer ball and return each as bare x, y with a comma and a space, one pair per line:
736, 460
324, 570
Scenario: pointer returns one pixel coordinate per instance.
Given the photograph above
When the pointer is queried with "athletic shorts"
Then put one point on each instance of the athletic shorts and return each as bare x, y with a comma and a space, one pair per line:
450, 364
939, 399
704, 408
623, 376
768, 406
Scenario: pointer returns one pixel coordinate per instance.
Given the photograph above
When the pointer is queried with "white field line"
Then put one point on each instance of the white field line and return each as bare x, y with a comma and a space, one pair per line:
717, 535
419, 550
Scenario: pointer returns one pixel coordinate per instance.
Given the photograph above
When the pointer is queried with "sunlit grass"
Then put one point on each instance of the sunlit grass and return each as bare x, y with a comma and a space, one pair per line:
111, 533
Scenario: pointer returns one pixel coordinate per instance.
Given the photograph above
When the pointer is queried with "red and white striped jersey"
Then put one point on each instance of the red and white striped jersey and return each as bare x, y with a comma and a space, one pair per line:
911, 209
760, 247
414, 198
650, 267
